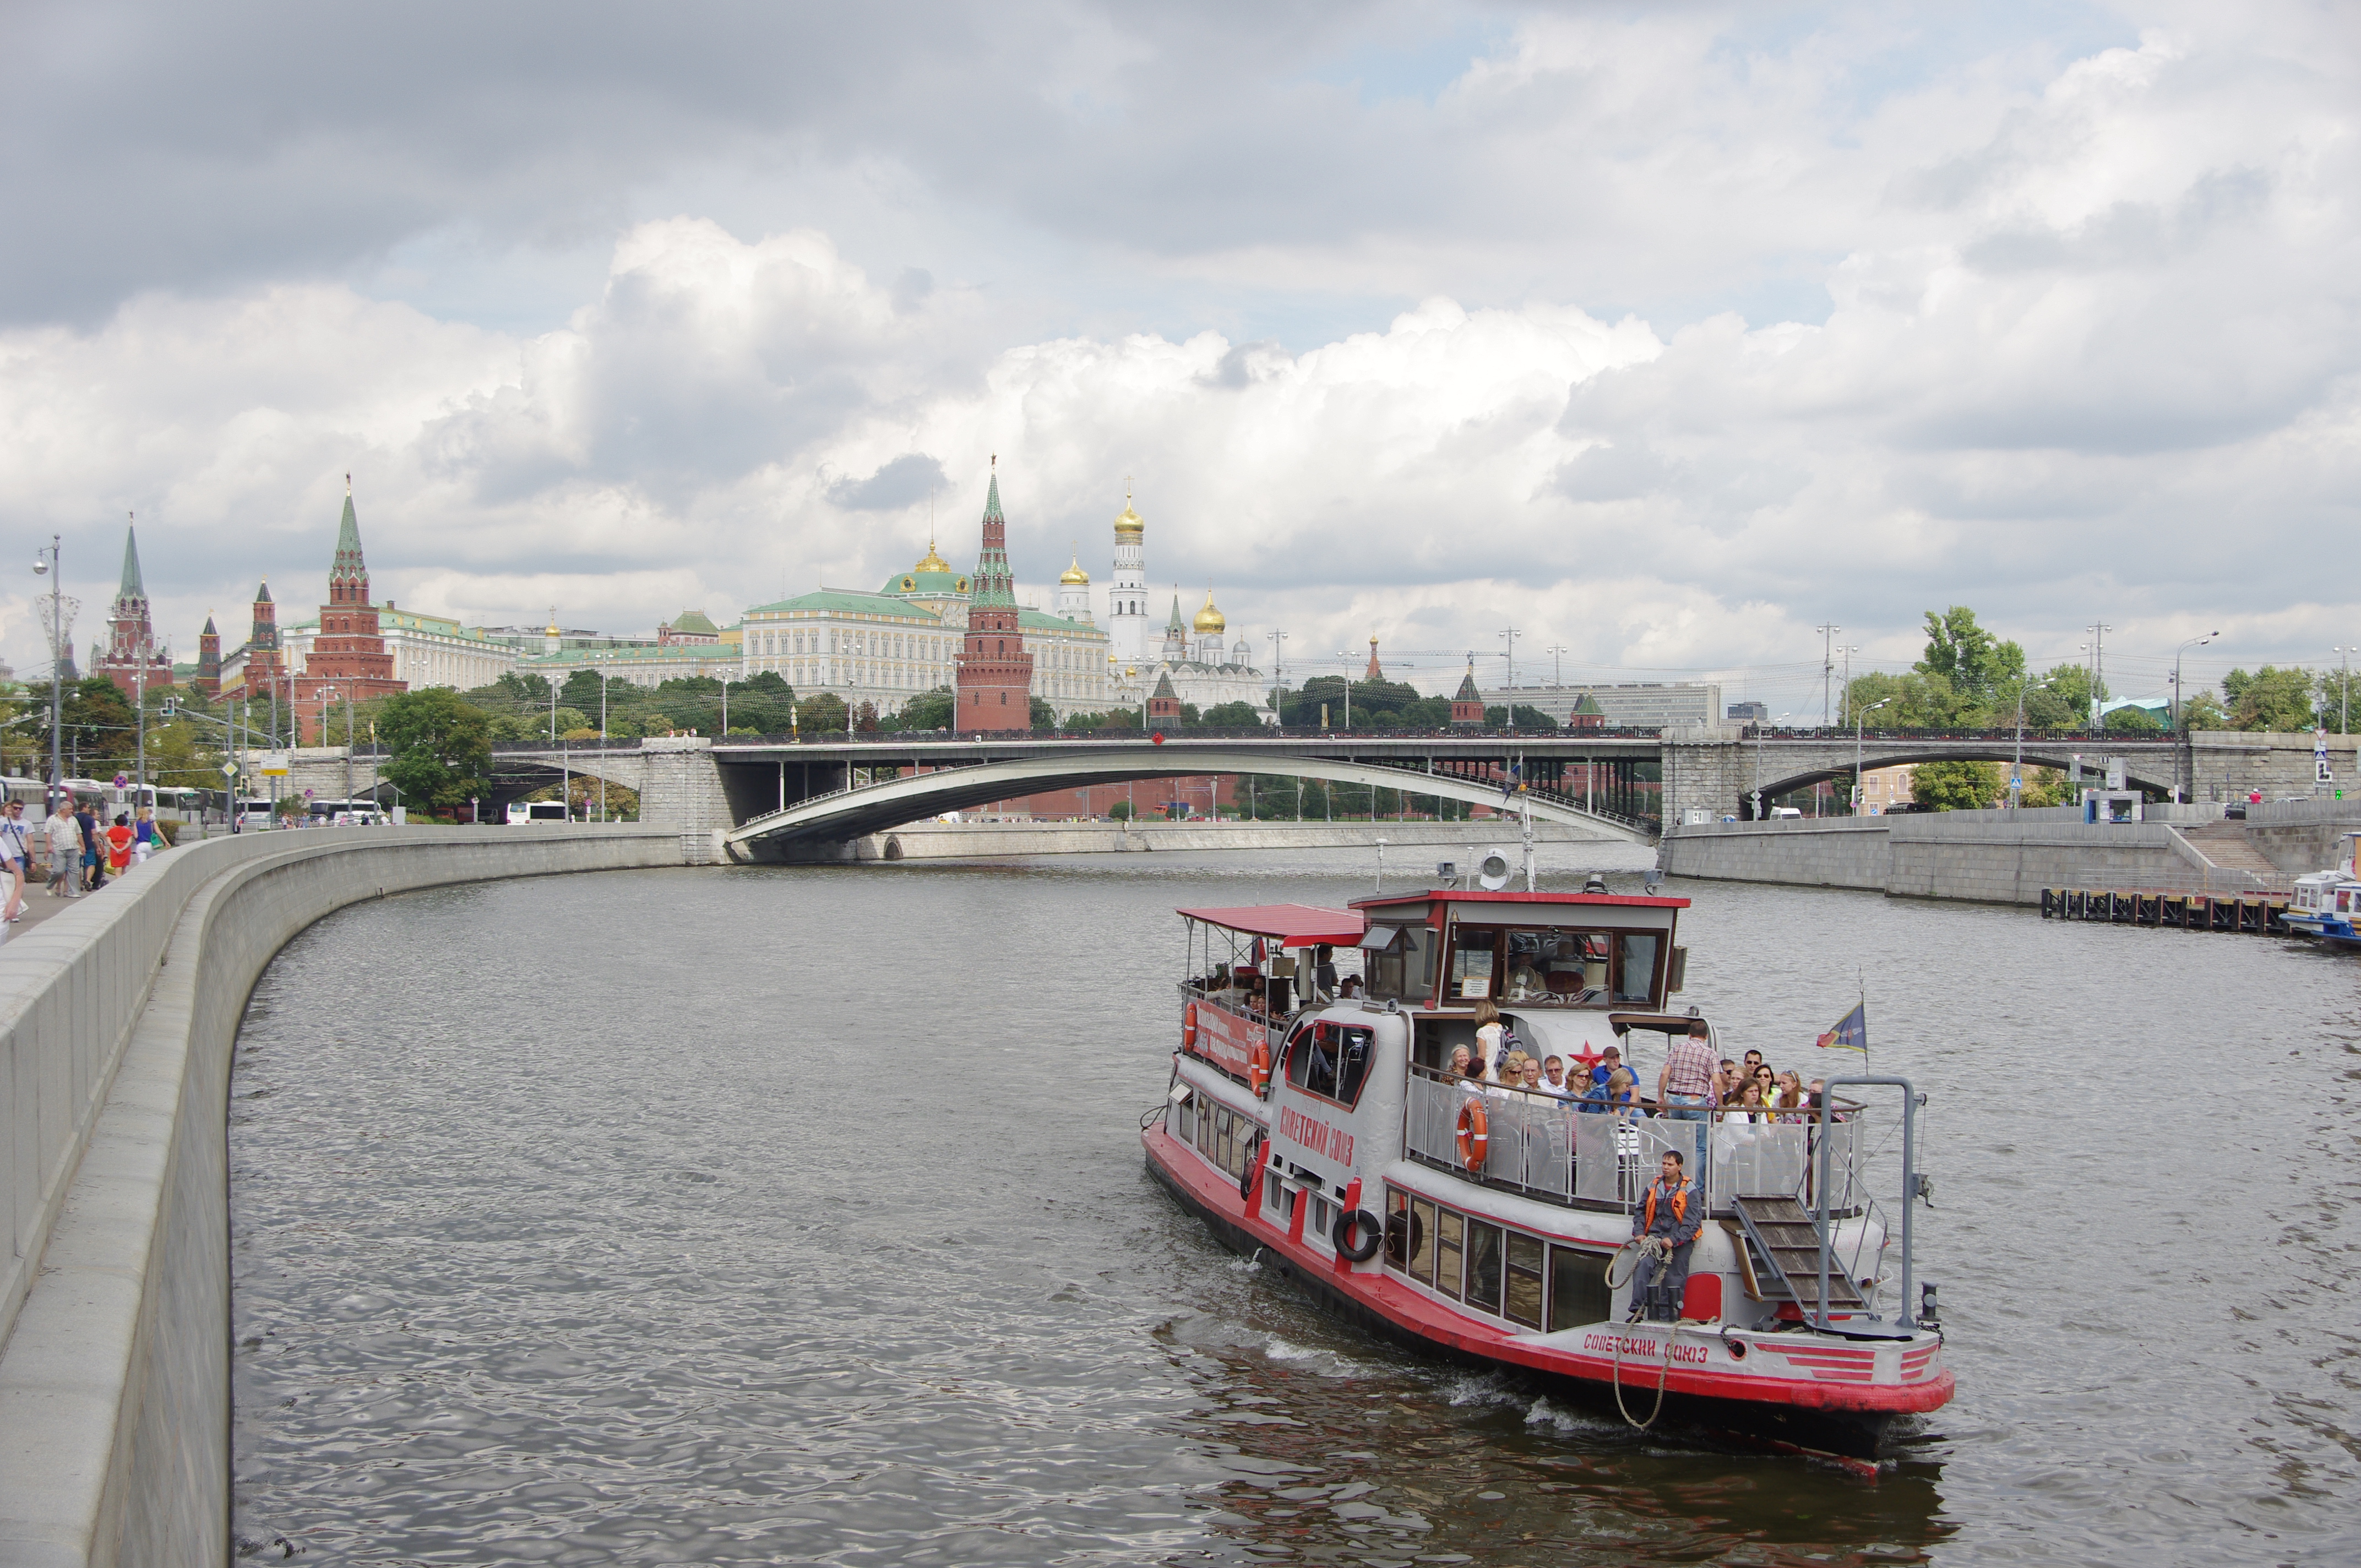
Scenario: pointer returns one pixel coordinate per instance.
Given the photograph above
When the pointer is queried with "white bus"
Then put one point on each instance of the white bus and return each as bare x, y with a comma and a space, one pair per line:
536, 811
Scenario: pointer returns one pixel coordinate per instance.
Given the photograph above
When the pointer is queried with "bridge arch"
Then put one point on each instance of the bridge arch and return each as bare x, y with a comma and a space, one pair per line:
873, 808
2140, 771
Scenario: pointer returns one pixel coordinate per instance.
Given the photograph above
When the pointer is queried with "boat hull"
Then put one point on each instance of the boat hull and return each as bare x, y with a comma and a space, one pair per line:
1847, 1424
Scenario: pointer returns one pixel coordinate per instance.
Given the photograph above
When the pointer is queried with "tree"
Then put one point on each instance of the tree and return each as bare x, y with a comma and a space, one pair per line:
1232, 716
1042, 716
821, 714
2133, 721
441, 747
2063, 702
2270, 698
864, 717
2047, 786
2203, 710
1979, 668
1120, 811
1957, 786
928, 710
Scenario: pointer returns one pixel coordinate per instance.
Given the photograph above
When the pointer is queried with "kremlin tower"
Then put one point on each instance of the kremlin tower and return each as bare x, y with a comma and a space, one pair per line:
348, 662
131, 654
994, 687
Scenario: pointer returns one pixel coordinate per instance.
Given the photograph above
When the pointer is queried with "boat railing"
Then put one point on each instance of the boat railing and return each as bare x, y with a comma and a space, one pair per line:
1586, 1153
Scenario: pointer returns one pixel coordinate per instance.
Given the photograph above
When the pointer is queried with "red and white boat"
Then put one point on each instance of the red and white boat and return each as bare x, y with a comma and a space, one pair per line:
1329, 1137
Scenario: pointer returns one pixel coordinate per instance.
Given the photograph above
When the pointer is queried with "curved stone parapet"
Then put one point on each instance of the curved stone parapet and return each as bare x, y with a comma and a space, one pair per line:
117, 1024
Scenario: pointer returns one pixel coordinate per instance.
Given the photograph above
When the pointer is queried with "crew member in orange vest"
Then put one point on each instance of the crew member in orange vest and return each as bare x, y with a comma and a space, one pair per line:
1670, 1214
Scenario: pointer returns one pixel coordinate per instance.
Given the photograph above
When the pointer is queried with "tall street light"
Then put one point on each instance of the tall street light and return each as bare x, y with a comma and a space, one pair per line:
1341, 653
1557, 653
1511, 634
2098, 673
1860, 718
43, 561
1278, 654
1828, 665
2016, 769
2179, 729
2343, 691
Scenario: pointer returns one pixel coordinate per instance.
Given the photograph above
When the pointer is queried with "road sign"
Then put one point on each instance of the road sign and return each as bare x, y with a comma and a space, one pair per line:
274, 764
123, 781
229, 769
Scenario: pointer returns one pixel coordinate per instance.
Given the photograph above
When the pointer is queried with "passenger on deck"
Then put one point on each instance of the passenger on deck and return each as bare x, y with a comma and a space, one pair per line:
1789, 1100
1349, 988
1750, 1107
1726, 1078
1553, 1078
1489, 1032
1323, 972
1532, 1078
1667, 1220
1609, 1060
1459, 1058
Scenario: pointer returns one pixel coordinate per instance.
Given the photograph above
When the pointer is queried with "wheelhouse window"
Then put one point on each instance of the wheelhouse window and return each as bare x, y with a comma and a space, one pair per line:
1331, 1060
1399, 959
1473, 951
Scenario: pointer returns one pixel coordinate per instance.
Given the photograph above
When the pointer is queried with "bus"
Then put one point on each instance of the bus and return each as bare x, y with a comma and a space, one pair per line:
168, 802
361, 812
536, 811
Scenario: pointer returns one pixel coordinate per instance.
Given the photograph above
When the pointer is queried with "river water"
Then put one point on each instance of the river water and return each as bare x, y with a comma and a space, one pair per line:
796, 1215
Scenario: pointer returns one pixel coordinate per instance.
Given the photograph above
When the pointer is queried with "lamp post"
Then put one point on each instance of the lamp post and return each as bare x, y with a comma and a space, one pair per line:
2181, 727
1511, 634
1278, 653
1348, 687
1828, 665
603, 678
44, 561
1860, 718
1759, 728
2098, 673
2016, 768
1557, 651
2343, 691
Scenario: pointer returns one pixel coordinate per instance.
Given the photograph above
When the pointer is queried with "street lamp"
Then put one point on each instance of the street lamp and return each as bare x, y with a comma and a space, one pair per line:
43, 561
2343, 691
1278, 654
2016, 769
1860, 718
1511, 634
1557, 653
2178, 725
1348, 687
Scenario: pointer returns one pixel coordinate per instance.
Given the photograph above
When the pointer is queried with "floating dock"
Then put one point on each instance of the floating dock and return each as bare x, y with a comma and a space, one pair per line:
2256, 915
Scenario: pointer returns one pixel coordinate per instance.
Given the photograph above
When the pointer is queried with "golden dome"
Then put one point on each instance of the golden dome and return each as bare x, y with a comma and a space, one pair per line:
1130, 522
1209, 619
933, 563
1074, 573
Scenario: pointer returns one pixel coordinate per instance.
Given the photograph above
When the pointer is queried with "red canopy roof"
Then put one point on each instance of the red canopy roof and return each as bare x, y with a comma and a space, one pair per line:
1294, 925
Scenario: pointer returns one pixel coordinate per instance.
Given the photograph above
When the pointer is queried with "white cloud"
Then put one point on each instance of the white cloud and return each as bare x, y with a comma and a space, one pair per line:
2085, 348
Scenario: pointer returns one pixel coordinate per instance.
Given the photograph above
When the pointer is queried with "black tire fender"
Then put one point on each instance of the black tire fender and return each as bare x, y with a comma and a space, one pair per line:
1372, 1235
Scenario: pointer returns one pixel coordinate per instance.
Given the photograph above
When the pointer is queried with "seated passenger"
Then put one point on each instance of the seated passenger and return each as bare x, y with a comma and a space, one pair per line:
1789, 1100
1554, 1076
1604, 1067
1530, 1077
1349, 988
1622, 1092
1323, 972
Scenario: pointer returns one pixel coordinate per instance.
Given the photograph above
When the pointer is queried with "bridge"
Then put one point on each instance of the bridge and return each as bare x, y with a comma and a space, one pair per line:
785, 797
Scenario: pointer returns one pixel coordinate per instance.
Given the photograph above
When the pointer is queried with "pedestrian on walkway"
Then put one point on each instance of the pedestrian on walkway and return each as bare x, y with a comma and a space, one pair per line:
65, 851
17, 855
94, 862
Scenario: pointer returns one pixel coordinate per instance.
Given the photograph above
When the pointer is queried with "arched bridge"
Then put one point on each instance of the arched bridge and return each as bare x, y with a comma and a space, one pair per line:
864, 808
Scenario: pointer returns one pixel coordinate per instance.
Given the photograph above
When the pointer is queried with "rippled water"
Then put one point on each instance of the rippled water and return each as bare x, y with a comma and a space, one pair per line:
797, 1215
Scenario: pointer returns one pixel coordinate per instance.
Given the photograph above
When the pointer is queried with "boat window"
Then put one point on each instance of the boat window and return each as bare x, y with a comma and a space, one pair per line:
1554, 967
1450, 1235
1472, 952
1311, 1060
1483, 1266
1635, 977
1422, 1241
1578, 1293
1402, 1241
1523, 1300
1353, 1063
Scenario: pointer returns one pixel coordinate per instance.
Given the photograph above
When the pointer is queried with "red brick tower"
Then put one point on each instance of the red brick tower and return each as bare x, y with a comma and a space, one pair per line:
265, 662
348, 657
1466, 704
132, 658
1164, 702
208, 681
995, 673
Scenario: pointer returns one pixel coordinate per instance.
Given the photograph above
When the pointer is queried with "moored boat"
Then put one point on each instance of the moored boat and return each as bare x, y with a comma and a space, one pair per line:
2325, 904
1492, 1224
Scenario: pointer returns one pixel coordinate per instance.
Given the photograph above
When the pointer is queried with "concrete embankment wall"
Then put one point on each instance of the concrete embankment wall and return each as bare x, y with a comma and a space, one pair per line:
117, 1024
1987, 857
963, 840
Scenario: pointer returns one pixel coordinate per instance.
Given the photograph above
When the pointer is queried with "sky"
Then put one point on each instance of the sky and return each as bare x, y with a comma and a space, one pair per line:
1665, 334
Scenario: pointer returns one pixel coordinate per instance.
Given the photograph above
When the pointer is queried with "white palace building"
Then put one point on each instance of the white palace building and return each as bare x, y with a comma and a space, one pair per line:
886, 647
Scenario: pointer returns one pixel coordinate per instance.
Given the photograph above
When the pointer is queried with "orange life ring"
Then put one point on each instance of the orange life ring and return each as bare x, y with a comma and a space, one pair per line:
1189, 1029
1475, 1143
1259, 1066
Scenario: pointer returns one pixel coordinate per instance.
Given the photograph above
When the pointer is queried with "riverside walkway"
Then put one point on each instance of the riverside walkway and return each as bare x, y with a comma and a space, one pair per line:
118, 1012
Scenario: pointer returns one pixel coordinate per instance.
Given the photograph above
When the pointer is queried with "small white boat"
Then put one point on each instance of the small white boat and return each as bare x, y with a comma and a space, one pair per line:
2326, 904
1330, 1139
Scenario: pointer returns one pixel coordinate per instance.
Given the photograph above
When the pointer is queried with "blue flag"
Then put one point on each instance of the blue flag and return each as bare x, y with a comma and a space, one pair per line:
1851, 1032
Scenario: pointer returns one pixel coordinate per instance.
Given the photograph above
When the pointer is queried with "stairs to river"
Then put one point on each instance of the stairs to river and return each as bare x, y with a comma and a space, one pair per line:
2225, 845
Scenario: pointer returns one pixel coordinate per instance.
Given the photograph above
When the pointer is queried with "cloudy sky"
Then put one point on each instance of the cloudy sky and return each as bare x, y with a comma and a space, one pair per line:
1665, 334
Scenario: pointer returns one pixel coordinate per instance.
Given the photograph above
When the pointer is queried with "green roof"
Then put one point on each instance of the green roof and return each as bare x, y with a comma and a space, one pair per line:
348, 563
925, 583
694, 623
1467, 692
1042, 620
645, 654
848, 602
132, 589
1587, 705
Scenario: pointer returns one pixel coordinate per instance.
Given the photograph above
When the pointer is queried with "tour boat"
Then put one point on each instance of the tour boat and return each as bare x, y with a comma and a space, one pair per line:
2326, 904
1328, 1137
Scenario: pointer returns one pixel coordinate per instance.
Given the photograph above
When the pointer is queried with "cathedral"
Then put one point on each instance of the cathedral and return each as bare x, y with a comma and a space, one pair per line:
1191, 656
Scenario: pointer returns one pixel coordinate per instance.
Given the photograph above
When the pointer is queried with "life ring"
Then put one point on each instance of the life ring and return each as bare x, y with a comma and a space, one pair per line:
1259, 1066
1371, 1234
1475, 1143
1252, 1167
1189, 1029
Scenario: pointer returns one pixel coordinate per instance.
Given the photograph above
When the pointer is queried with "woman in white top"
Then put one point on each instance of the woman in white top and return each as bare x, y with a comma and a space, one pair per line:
1490, 1031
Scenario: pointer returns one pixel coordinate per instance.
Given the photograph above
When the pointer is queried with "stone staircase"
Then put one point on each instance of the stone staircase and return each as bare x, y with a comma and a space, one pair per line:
2226, 846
